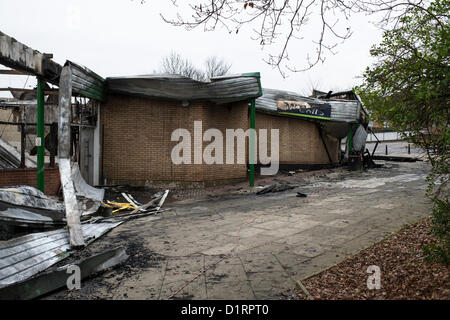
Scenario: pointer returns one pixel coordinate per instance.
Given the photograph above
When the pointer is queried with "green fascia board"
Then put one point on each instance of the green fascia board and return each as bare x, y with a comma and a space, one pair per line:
251, 74
93, 93
304, 115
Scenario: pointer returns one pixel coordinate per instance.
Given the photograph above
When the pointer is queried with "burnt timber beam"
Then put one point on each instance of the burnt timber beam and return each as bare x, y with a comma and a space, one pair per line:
20, 57
46, 92
319, 128
13, 72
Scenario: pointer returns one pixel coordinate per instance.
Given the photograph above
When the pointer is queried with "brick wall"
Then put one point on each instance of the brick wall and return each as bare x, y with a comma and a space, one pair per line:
16, 177
300, 141
137, 140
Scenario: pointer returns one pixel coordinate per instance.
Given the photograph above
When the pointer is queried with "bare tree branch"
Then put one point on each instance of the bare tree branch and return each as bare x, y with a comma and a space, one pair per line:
278, 24
174, 63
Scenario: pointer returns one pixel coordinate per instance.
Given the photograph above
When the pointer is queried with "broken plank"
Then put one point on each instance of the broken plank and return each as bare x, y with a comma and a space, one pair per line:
128, 198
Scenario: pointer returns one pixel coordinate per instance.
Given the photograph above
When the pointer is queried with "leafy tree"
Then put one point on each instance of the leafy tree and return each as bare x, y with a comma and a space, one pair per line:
409, 88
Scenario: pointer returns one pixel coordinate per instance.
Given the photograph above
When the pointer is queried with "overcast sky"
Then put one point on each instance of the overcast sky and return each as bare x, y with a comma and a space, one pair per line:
124, 37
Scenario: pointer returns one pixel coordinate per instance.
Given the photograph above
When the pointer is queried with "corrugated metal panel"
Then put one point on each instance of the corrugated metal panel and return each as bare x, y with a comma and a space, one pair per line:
220, 89
26, 256
26, 205
345, 111
27, 196
359, 138
82, 188
86, 82
23, 217
341, 110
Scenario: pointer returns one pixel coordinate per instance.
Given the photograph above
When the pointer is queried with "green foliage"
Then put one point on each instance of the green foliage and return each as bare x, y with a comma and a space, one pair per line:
439, 251
409, 87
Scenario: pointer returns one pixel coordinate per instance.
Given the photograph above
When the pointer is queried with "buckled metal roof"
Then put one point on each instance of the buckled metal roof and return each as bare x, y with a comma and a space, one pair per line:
341, 110
228, 88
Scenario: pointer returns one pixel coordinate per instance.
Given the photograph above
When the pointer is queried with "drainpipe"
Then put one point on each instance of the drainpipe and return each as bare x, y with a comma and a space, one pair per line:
252, 143
40, 134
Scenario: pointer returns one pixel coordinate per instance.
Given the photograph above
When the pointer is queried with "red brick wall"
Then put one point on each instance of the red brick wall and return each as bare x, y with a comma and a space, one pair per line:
16, 177
137, 140
300, 141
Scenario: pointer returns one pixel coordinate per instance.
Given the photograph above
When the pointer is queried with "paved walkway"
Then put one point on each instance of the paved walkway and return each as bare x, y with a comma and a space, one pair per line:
272, 239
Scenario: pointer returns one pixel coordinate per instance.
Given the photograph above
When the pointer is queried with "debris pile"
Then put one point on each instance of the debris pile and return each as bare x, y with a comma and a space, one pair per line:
135, 208
24, 257
276, 188
10, 157
26, 206
49, 281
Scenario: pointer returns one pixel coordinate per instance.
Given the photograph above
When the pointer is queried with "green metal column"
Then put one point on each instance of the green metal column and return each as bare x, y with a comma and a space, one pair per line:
252, 143
40, 134
350, 139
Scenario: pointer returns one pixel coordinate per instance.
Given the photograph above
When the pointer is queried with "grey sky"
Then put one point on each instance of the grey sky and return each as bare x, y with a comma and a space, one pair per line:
124, 37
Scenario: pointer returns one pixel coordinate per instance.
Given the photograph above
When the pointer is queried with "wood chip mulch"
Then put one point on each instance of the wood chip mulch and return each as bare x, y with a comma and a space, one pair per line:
404, 273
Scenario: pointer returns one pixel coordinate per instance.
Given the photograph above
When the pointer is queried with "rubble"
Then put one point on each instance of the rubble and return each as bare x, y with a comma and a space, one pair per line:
26, 256
10, 157
276, 188
56, 279
26, 206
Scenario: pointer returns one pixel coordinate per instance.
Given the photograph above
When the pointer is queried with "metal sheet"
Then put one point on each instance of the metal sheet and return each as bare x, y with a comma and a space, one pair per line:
10, 157
26, 218
27, 196
341, 110
65, 170
26, 256
88, 198
359, 138
175, 87
70, 201
55, 279
84, 189
86, 82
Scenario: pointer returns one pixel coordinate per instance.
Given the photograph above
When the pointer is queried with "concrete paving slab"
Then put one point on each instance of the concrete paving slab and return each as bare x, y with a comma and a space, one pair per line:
194, 290
230, 290
281, 236
185, 268
282, 233
264, 262
271, 225
225, 272
269, 285
246, 232
310, 250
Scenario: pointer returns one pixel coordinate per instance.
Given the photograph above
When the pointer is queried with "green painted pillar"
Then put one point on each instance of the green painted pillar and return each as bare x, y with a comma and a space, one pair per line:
40, 134
350, 139
252, 143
